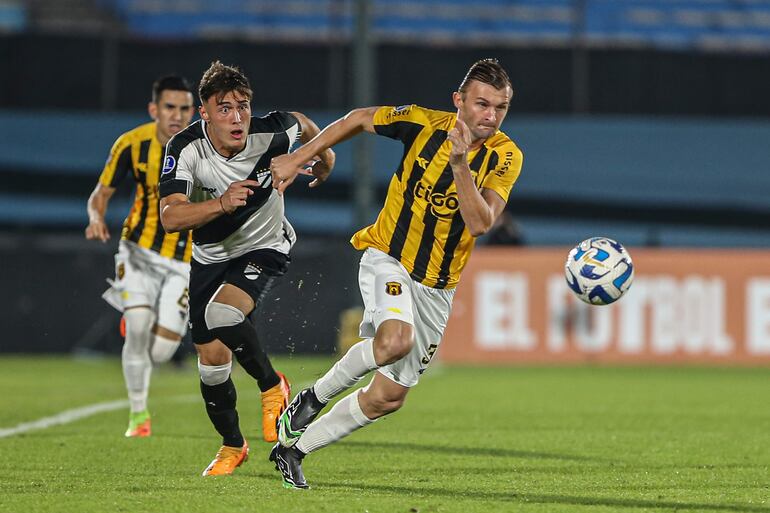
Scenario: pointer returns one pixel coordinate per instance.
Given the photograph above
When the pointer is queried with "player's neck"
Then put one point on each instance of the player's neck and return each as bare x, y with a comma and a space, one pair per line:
227, 153
475, 145
162, 140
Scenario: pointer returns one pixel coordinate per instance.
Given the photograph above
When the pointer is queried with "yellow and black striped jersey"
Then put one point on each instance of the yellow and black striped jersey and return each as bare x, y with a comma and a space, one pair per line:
139, 153
420, 224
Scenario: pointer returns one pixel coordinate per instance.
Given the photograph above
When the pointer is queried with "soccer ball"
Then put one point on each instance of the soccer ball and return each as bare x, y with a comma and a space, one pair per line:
599, 270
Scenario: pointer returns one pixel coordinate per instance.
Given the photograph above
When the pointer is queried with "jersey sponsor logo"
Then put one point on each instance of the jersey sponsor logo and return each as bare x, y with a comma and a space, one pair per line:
441, 205
393, 288
507, 160
210, 190
401, 110
169, 164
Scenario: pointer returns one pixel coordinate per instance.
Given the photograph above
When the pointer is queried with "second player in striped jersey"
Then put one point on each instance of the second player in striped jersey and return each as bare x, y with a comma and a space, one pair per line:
152, 266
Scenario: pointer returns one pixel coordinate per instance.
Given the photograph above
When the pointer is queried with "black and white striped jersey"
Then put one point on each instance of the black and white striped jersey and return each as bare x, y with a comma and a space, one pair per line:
193, 167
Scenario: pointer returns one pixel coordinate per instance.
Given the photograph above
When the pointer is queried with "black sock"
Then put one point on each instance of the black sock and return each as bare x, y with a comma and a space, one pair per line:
220, 405
243, 341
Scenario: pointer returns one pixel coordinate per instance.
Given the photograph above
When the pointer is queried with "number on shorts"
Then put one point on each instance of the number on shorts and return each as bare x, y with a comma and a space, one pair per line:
431, 351
184, 299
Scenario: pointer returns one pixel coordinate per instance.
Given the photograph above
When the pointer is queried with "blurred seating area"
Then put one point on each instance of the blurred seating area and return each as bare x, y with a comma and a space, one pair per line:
653, 146
706, 24
649, 182
13, 16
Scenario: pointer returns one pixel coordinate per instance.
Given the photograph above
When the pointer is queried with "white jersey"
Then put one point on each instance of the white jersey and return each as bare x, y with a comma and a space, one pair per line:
194, 168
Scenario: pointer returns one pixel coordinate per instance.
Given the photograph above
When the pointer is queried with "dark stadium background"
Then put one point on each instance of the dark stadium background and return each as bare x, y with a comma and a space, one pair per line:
654, 127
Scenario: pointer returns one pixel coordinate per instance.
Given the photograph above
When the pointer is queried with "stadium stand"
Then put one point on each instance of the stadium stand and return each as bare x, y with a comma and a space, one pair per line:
705, 24
71, 16
13, 16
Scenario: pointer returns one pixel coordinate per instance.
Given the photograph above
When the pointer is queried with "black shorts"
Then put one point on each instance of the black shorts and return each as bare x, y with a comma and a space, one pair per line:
254, 273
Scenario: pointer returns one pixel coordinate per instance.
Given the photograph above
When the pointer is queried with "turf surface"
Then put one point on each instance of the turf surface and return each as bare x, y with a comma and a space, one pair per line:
468, 440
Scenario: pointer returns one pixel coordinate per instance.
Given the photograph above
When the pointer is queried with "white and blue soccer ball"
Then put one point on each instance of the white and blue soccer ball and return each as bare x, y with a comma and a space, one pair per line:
599, 271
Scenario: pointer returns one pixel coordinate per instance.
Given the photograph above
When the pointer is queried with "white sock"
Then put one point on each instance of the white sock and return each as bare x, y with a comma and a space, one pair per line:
348, 371
163, 349
345, 417
136, 356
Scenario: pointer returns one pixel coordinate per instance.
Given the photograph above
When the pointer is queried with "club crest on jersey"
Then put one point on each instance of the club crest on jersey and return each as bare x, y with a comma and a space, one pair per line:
393, 288
264, 177
252, 272
169, 164
121, 271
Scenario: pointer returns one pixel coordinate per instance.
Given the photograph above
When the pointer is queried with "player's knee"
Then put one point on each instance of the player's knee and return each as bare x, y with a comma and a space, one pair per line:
391, 347
214, 374
163, 348
139, 319
220, 315
139, 322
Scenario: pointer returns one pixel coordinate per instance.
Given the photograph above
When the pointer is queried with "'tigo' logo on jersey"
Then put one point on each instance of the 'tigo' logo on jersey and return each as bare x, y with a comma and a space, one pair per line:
442, 205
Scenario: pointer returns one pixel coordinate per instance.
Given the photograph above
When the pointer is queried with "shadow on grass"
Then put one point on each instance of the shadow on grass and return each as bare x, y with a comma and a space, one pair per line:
527, 498
485, 452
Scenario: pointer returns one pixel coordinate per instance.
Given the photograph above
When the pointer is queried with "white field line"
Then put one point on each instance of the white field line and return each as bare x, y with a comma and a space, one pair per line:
75, 414
69, 416
64, 417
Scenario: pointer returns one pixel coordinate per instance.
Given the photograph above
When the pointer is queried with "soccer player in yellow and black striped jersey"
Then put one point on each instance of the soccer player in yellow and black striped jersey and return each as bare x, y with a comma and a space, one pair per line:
452, 183
152, 267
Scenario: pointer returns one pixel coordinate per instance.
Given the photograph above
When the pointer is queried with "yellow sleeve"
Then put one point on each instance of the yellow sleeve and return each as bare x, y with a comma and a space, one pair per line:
505, 166
399, 122
118, 164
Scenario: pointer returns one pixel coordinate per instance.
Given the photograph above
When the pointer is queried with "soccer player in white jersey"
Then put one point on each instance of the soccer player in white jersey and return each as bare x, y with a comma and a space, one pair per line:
216, 181
151, 267
454, 179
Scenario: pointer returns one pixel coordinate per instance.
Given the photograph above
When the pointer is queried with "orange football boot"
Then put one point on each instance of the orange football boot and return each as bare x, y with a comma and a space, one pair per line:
274, 402
227, 460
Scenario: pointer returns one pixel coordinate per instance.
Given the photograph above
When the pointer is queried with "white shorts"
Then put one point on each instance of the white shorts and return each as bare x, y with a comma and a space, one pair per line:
390, 293
144, 278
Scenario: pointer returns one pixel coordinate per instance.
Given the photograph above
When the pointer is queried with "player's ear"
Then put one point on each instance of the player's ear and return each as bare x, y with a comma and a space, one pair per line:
203, 113
457, 99
152, 110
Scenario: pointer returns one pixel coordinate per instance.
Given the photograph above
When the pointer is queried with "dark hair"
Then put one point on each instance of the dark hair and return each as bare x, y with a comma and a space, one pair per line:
220, 80
169, 83
488, 71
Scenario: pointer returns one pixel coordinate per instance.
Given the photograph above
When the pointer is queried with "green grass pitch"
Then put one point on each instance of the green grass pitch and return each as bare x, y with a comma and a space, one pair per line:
468, 440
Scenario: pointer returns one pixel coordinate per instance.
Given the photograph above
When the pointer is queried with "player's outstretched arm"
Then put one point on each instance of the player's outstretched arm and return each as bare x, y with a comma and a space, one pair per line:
285, 168
177, 213
97, 208
321, 165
